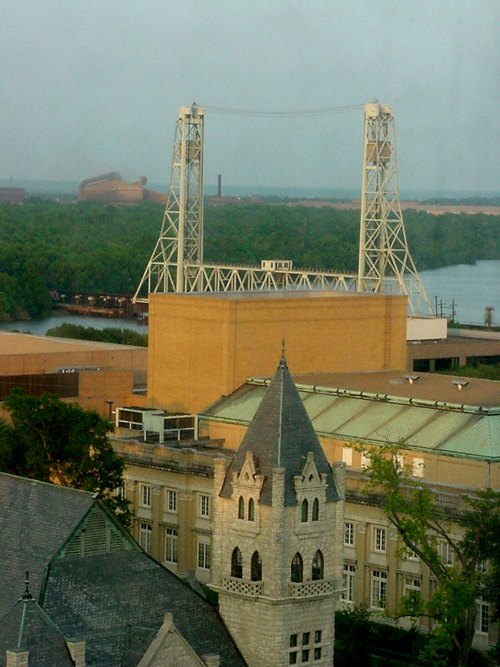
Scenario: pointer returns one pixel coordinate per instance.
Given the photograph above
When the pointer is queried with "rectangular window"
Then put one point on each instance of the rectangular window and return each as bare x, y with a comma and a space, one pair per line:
411, 584
347, 455
317, 653
171, 500
410, 554
145, 531
379, 539
417, 468
171, 536
378, 589
293, 640
305, 638
204, 506
203, 556
348, 575
317, 636
292, 658
145, 495
366, 461
445, 552
349, 533
482, 616
305, 655
400, 461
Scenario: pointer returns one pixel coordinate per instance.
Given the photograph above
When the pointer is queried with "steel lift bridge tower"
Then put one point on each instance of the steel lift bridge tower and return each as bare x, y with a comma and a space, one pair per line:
385, 264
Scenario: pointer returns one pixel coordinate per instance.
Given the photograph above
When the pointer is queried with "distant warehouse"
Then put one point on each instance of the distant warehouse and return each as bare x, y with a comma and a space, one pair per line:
12, 195
112, 189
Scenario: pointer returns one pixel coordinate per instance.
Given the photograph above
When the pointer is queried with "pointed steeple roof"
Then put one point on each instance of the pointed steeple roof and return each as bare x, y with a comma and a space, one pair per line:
27, 627
280, 436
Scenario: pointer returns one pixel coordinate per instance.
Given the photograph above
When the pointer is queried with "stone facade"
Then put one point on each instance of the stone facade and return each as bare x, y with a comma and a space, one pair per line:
277, 554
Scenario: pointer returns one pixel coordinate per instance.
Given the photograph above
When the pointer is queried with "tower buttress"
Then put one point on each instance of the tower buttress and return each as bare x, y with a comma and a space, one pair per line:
276, 538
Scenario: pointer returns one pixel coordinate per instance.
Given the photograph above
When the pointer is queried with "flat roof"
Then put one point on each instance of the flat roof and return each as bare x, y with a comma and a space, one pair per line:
20, 343
429, 386
277, 294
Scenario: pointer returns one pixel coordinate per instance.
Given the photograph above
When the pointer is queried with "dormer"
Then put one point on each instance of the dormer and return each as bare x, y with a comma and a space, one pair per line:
310, 489
247, 488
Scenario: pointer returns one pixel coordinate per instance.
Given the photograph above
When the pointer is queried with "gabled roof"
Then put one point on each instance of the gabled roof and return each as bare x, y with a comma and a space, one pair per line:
126, 596
281, 435
33, 631
35, 520
114, 598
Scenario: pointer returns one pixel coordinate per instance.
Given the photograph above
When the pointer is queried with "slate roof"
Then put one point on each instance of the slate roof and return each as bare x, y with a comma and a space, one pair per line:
115, 601
33, 630
85, 594
280, 435
35, 520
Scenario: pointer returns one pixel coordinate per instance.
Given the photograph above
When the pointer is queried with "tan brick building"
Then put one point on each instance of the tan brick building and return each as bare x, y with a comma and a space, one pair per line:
203, 346
96, 375
452, 437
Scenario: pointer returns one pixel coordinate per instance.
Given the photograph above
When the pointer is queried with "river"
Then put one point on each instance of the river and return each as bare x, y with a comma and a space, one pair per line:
471, 286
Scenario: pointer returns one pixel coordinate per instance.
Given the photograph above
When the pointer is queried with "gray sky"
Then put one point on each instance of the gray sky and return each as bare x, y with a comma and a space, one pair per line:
94, 86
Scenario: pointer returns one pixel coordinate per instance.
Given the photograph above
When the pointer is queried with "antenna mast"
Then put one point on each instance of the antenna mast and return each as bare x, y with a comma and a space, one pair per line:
181, 237
385, 264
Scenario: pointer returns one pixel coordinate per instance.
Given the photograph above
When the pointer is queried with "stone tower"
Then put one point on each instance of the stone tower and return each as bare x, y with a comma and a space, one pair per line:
277, 536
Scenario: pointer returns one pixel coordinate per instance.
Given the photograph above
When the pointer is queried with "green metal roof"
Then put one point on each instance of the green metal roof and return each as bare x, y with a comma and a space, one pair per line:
451, 429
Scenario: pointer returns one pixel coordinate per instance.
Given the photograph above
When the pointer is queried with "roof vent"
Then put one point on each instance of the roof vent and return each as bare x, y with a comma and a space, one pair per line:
460, 383
411, 378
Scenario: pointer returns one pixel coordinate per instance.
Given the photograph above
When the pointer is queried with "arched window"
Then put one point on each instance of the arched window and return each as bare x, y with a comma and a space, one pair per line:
256, 567
315, 512
305, 510
297, 570
251, 510
241, 508
236, 563
318, 566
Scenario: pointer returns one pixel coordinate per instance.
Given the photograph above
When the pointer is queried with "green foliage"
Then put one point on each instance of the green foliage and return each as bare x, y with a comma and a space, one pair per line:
361, 641
107, 335
484, 371
422, 524
57, 442
91, 247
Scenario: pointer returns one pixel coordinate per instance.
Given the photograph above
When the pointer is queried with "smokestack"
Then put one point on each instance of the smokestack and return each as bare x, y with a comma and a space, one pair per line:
219, 185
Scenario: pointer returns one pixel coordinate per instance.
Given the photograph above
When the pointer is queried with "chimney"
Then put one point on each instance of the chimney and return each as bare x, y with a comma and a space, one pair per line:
77, 651
219, 185
16, 658
211, 660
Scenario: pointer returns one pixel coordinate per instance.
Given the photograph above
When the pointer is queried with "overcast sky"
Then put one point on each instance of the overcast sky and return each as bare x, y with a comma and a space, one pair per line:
94, 86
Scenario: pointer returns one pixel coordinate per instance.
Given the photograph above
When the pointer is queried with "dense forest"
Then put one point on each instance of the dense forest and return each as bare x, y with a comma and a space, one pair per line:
106, 335
96, 247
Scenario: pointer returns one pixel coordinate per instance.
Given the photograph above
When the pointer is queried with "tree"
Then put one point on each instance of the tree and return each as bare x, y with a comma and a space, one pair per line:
470, 531
62, 443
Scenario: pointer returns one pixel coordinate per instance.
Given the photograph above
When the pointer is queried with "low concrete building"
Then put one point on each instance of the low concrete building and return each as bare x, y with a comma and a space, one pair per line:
96, 375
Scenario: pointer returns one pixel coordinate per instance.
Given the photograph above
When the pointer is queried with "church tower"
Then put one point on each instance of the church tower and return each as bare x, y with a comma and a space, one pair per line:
277, 536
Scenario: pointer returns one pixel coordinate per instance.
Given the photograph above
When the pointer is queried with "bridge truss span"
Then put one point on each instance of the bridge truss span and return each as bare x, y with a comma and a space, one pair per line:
385, 265
231, 278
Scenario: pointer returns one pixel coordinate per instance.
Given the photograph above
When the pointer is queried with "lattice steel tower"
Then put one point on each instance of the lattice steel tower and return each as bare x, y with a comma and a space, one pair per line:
181, 238
385, 263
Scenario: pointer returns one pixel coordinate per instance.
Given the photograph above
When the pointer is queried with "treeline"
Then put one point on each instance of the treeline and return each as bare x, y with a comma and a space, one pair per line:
95, 247
107, 335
